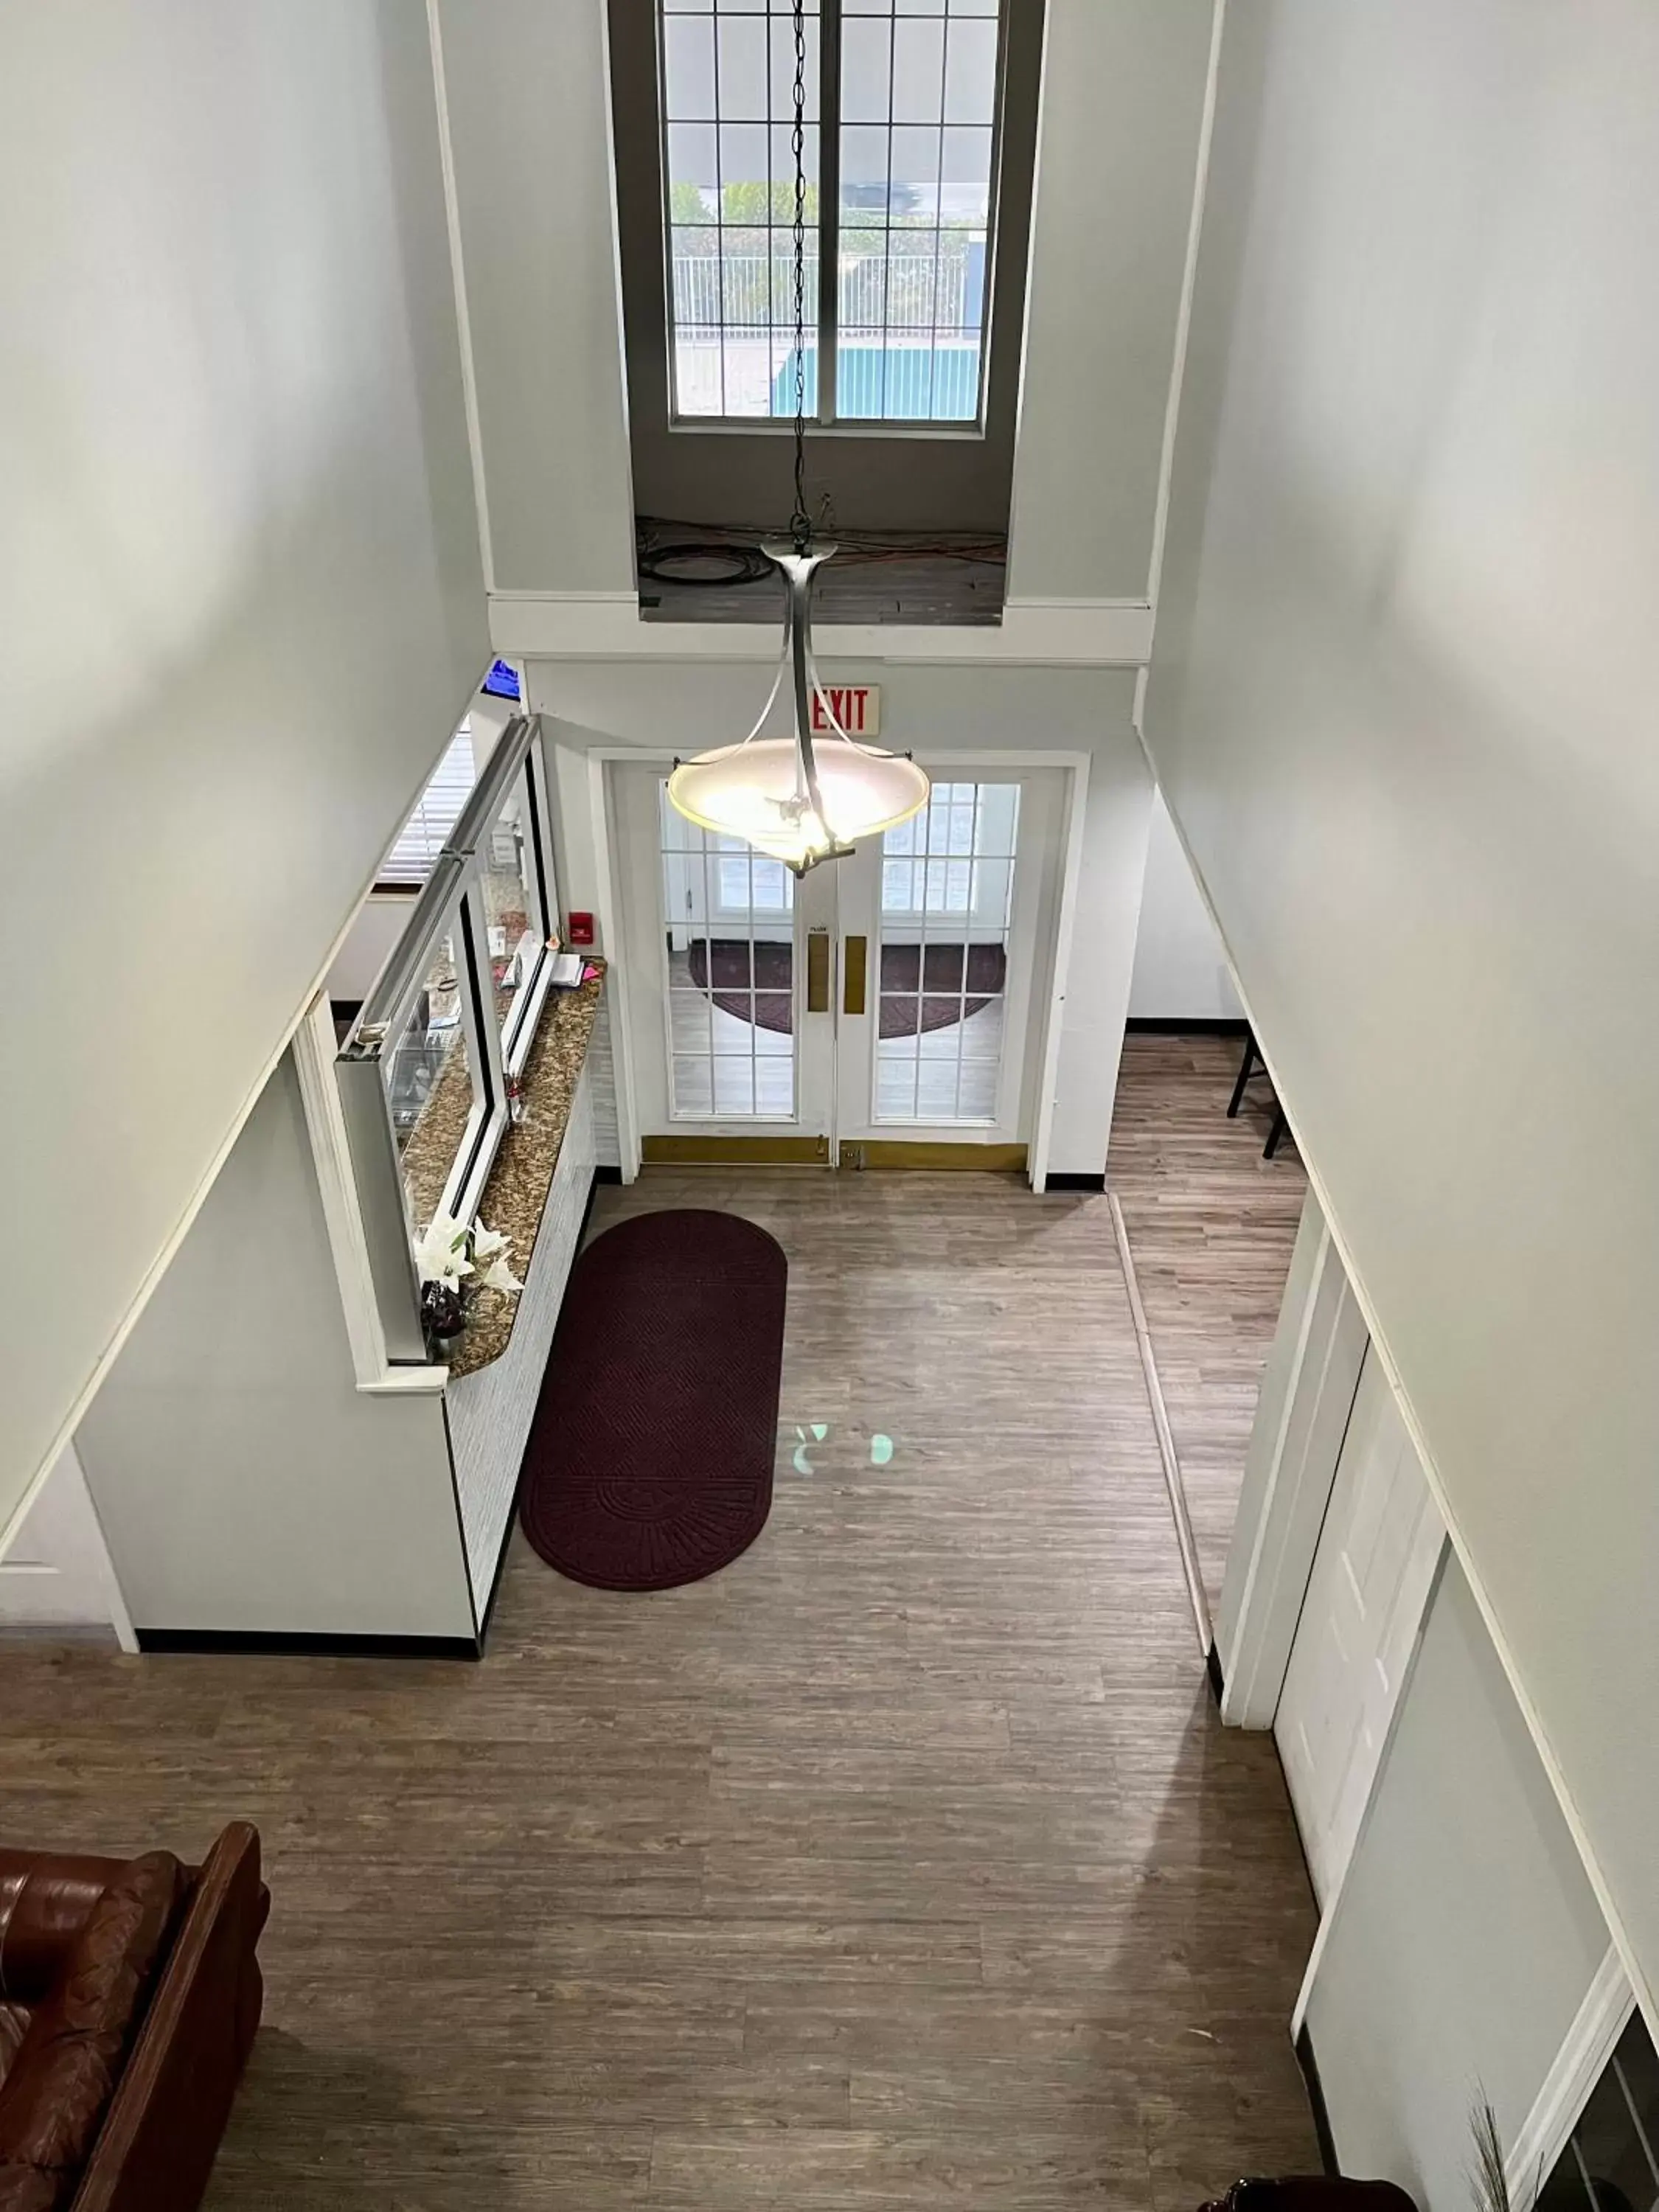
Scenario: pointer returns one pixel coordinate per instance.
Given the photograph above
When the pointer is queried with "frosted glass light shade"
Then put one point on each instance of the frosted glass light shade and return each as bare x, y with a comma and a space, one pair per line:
802, 799
751, 791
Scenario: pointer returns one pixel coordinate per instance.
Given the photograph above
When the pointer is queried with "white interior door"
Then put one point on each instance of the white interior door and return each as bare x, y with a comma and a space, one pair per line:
57, 1571
728, 1039
947, 920
1360, 1619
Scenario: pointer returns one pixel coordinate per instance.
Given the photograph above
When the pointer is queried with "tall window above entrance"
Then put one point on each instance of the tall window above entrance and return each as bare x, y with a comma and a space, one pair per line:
900, 212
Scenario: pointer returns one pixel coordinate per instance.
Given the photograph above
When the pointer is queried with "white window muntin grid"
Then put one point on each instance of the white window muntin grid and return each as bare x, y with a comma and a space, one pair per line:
948, 887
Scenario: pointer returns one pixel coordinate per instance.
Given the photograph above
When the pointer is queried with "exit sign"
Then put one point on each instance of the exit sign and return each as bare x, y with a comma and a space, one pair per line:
856, 706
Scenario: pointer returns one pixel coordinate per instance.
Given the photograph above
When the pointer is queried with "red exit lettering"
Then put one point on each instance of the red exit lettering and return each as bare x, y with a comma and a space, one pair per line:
856, 706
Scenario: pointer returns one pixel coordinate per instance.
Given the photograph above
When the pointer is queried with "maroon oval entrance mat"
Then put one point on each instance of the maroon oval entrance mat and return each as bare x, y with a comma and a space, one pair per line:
649, 1462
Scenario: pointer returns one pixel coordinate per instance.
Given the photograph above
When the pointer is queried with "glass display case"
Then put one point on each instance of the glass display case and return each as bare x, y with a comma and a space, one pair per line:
426, 1070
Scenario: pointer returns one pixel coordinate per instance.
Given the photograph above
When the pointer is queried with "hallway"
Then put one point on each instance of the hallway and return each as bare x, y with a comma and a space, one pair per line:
905, 1863
1212, 1225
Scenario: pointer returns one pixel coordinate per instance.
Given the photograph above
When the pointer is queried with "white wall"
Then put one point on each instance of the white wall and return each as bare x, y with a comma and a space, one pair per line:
244, 1483
1116, 812
924, 708
1181, 972
239, 562
1122, 97
529, 115
1465, 1937
369, 943
1402, 706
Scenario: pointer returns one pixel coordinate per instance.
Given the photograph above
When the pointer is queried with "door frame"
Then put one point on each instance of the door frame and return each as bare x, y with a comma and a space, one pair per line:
1050, 966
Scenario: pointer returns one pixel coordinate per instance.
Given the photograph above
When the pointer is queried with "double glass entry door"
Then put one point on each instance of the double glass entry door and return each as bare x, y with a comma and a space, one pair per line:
885, 1000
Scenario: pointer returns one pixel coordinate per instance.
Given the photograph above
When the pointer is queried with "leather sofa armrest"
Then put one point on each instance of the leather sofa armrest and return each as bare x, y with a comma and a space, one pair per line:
160, 2136
46, 1900
61, 2081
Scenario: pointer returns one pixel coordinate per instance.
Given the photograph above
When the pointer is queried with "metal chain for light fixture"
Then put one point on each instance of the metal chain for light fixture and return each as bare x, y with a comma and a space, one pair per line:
800, 522
768, 791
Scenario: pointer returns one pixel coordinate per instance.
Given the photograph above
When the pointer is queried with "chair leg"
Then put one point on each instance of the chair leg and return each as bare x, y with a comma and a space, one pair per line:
1274, 1135
1245, 1068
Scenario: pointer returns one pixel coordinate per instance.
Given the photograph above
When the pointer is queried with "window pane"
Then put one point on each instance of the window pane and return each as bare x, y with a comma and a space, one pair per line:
912, 277
729, 947
750, 356
698, 380
745, 181
864, 169
689, 68
912, 308
965, 186
728, 99
915, 169
866, 70
917, 159
693, 167
970, 75
742, 69
898, 893
429, 1089
918, 69
734, 1085
513, 923
745, 276
416, 848
944, 958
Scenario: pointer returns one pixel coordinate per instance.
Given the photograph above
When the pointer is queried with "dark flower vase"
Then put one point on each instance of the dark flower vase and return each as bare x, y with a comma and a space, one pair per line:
443, 1318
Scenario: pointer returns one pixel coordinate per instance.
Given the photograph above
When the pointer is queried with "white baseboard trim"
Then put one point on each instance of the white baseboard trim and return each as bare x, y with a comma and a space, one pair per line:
1033, 633
1185, 1541
1597, 2026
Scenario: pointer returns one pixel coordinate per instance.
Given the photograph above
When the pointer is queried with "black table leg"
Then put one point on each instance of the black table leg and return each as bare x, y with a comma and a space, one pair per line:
1244, 1074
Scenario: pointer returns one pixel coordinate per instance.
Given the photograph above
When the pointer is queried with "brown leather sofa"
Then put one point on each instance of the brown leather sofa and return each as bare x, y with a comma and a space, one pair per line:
130, 1995
1313, 2192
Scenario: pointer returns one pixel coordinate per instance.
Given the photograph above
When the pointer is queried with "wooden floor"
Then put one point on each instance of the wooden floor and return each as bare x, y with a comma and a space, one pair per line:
1211, 1227
904, 1863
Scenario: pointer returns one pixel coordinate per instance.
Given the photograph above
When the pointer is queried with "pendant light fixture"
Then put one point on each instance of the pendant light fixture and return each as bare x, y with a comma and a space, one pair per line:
800, 799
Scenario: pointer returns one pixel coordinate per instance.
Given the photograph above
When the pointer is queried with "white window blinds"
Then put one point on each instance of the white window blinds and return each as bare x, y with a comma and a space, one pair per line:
423, 837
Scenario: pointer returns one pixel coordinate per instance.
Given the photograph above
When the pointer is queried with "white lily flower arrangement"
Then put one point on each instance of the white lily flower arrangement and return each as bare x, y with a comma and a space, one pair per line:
454, 1252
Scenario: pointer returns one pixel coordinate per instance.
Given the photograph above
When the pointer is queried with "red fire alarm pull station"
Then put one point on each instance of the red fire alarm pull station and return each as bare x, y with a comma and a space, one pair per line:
581, 929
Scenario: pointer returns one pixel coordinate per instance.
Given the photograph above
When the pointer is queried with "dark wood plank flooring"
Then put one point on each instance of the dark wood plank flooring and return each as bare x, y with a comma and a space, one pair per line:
904, 1863
1211, 1225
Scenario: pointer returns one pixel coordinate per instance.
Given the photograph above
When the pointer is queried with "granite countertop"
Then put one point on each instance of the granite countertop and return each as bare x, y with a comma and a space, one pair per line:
516, 1196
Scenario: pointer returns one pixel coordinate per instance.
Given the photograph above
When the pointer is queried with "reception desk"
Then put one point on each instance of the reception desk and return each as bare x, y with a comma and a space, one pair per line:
256, 1491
